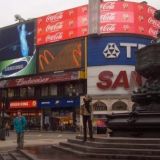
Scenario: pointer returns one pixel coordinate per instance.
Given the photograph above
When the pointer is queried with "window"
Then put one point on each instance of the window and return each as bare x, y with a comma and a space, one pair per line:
4, 93
10, 92
23, 92
44, 91
99, 106
16, 92
31, 91
53, 90
119, 106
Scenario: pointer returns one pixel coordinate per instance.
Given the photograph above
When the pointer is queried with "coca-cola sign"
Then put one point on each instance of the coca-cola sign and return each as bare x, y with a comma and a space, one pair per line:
55, 37
54, 17
108, 28
54, 27
108, 6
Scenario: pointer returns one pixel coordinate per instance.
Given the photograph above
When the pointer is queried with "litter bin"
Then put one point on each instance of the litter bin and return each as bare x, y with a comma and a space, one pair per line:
2, 134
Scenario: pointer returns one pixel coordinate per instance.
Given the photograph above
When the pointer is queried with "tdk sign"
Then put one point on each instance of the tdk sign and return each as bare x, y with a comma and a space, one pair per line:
114, 50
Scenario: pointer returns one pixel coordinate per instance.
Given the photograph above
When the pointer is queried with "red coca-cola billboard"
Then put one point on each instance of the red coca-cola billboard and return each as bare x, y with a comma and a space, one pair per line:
63, 25
115, 17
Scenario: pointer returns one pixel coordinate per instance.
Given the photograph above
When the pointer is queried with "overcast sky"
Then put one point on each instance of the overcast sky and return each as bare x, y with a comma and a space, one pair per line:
36, 8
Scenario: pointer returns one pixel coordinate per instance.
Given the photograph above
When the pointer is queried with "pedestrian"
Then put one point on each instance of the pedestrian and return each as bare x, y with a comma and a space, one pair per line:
19, 126
86, 111
7, 128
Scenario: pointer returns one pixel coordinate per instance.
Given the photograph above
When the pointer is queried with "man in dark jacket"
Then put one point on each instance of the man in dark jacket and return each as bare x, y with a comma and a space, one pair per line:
86, 110
19, 125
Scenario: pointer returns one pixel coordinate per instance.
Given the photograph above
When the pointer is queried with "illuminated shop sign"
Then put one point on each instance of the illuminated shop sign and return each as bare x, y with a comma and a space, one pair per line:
114, 50
59, 102
23, 104
61, 56
110, 80
52, 78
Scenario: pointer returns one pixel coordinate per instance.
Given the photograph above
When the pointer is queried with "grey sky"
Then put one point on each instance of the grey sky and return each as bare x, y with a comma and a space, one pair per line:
36, 8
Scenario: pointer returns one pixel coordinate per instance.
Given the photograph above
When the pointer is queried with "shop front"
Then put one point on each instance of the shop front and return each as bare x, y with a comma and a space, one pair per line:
60, 113
29, 110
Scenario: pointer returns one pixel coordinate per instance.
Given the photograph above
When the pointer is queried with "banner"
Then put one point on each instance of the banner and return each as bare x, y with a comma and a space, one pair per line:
61, 56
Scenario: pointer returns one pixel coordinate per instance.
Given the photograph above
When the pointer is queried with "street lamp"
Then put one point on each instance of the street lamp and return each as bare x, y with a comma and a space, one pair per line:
19, 18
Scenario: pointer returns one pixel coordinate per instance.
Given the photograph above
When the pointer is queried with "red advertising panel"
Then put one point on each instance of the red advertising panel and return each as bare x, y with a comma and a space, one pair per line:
23, 104
115, 17
128, 17
63, 25
61, 56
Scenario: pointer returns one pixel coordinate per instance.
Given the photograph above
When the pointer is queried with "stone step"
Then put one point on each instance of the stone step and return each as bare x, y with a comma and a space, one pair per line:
115, 145
113, 156
125, 140
91, 149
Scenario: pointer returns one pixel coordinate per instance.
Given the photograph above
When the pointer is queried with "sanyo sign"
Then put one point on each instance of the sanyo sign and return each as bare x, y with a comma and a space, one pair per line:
114, 50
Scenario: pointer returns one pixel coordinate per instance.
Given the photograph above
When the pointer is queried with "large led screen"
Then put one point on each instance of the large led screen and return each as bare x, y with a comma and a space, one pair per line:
61, 56
17, 50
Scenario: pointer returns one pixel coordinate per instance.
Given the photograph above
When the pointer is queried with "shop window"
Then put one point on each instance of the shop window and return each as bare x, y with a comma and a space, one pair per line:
4, 93
99, 106
23, 92
53, 90
10, 92
44, 91
74, 89
31, 91
119, 106
16, 92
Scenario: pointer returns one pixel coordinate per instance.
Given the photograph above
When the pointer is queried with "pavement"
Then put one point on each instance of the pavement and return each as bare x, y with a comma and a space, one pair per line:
35, 138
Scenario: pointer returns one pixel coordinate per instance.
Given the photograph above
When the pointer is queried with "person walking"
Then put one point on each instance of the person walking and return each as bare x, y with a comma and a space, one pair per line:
85, 111
7, 128
19, 126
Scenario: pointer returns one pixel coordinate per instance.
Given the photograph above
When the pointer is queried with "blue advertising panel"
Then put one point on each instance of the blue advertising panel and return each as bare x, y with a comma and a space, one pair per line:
59, 102
17, 41
114, 50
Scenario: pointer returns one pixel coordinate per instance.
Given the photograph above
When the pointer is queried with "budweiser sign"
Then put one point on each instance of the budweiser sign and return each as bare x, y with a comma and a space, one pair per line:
108, 6
55, 27
55, 37
108, 28
54, 17
108, 17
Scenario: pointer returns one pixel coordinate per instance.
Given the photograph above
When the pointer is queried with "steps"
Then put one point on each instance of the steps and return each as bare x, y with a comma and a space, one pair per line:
113, 148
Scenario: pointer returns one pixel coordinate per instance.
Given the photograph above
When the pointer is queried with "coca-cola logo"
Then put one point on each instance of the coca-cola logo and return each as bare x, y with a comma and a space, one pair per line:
108, 6
55, 27
154, 22
108, 17
108, 28
56, 37
151, 10
152, 32
54, 17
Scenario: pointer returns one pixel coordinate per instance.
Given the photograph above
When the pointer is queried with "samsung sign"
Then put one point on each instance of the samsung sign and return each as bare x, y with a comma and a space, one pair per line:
115, 50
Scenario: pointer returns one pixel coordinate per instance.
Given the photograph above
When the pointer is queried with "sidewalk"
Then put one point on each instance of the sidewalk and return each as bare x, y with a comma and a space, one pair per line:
35, 139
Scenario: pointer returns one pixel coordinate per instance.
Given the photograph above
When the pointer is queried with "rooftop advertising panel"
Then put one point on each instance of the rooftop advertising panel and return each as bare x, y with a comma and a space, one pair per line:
115, 17
63, 25
114, 50
17, 50
61, 56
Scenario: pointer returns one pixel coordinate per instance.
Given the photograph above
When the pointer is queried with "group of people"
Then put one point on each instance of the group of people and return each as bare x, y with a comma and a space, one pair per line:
20, 122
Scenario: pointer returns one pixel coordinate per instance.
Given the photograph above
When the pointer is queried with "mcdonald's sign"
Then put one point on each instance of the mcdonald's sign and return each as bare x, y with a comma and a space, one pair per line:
62, 56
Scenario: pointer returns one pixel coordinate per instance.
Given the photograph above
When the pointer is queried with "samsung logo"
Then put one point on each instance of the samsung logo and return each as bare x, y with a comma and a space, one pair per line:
13, 68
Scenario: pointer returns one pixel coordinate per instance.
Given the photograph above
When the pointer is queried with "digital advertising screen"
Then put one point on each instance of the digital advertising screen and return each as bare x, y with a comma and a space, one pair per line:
17, 49
61, 56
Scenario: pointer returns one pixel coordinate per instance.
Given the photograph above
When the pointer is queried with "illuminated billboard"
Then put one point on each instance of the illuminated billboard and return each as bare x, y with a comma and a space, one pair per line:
61, 56
115, 17
62, 25
17, 50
